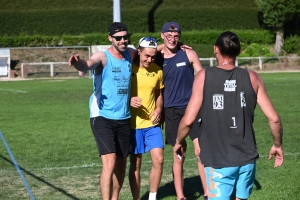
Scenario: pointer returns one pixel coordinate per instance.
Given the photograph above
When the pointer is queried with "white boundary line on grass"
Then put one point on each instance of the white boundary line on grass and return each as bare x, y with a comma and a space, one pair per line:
14, 91
148, 161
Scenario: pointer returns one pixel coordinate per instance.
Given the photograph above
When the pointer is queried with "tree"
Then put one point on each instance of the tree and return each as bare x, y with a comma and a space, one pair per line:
275, 14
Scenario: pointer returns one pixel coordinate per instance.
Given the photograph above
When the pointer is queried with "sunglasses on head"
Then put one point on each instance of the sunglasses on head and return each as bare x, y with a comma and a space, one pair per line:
118, 38
150, 39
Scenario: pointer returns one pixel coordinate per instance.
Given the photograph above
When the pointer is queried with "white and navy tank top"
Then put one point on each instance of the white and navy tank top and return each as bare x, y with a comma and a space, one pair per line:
178, 77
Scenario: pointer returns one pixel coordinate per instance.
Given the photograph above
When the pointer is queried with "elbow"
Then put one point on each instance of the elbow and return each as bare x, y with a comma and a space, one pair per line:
187, 122
275, 119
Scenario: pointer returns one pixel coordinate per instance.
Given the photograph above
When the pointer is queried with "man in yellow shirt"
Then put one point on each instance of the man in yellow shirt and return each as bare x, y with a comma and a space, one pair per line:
146, 107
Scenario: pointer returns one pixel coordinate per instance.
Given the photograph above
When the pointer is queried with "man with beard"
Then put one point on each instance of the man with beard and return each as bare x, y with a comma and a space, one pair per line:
109, 106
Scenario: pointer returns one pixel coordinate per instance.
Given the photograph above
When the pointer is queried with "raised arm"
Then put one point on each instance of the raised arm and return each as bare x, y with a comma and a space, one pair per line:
269, 111
96, 60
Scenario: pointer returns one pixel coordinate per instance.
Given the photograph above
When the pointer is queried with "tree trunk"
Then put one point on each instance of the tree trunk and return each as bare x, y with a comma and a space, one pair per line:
279, 42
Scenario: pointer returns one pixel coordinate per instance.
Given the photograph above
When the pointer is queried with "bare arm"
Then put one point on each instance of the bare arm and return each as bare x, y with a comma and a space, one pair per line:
156, 114
160, 47
133, 53
193, 107
194, 60
269, 111
191, 112
96, 60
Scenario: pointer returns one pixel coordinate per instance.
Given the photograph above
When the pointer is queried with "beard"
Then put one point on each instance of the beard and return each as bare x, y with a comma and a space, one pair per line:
120, 49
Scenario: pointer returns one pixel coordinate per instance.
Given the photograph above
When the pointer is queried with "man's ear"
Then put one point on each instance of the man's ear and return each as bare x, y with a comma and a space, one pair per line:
109, 38
162, 35
216, 50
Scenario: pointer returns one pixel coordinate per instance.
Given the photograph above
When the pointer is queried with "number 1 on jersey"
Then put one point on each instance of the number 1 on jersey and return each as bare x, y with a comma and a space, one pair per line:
234, 123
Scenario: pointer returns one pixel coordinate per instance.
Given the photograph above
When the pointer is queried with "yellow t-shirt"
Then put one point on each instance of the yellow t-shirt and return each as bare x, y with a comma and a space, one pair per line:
144, 82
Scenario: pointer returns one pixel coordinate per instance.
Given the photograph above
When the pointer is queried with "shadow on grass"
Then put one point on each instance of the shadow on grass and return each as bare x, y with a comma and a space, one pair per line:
257, 185
41, 180
192, 189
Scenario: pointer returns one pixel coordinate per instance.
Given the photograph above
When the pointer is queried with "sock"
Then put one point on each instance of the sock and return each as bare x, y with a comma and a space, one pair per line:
152, 195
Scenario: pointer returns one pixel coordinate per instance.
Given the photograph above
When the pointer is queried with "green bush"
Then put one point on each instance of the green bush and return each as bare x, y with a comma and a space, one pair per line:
75, 17
207, 37
292, 44
255, 50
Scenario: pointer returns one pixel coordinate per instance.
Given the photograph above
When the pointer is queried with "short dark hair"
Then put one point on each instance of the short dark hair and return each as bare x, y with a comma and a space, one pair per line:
229, 44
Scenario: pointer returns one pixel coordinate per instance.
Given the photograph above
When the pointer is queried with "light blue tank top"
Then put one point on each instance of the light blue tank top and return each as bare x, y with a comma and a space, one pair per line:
112, 89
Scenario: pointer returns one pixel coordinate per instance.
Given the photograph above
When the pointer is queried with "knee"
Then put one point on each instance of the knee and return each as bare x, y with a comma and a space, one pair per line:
108, 167
158, 161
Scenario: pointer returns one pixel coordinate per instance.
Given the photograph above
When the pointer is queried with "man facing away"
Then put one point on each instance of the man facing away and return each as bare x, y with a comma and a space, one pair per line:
226, 97
146, 107
179, 68
109, 106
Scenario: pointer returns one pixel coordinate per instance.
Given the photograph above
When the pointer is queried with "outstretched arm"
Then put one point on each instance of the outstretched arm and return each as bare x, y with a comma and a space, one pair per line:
96, 60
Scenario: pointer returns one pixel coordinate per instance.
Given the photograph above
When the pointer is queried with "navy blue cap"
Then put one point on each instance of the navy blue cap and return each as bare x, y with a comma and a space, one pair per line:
171, 27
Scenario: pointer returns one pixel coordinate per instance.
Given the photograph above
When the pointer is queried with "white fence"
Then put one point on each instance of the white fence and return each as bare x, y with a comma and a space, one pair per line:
51, 64
42, 64
280, 61
255, 62
42, 61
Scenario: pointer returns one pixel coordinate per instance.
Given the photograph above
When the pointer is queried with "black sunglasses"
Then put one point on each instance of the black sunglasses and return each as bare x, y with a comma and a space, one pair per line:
118, 38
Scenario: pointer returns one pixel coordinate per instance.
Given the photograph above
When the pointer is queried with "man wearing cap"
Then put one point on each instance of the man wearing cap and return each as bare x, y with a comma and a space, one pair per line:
179, 68
146, 106
109, 106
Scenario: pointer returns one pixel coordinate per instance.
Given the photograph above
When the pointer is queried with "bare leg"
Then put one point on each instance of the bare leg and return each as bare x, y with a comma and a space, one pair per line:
157, 157
178, 173
108, 163
200, 166
118, 176
134, 175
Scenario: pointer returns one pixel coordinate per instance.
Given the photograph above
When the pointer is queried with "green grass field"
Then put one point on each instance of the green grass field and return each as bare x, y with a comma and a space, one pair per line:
46, 124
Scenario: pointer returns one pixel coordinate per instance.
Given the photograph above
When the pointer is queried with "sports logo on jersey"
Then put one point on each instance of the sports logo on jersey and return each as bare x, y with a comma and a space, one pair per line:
229, 85
218, 101
243, 100
180, 64
116, 69
122, 91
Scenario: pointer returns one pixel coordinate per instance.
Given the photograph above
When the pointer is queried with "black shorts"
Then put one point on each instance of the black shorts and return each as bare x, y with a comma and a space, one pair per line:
173, 117
112, 136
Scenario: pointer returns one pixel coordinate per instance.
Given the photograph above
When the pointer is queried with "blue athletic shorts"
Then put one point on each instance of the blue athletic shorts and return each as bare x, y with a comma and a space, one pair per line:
143, 140
225, 182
